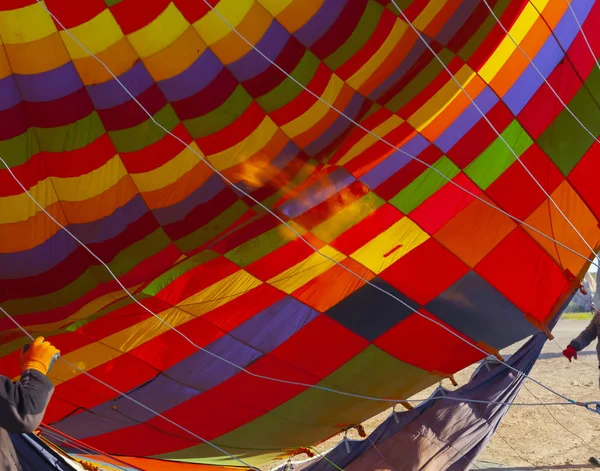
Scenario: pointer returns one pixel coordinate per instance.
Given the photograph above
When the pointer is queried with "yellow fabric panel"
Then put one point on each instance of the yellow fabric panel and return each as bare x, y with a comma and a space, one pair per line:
31, 232
95, 354
97, 35
38, 21
298, 13
368, 140
252, 27
212, 28
170, 171
160, 33
274, 7
317, 111
39, 56
20, 207
293, 278
119, 58
428, 14
519, 29
253, 144
349, 215
92, 184
444, 96
390, 245
176, 57
367, 70
220, 293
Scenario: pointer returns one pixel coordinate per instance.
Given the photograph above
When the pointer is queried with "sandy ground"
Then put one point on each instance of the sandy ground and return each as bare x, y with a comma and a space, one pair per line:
541, 438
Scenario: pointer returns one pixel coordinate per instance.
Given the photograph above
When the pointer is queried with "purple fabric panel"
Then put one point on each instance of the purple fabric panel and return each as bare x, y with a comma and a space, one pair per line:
454, 24
318, 25
245, 344
110, 94
468, 118
546, 60
394, 162
51, 85
252, 63
415, 52
9, 93
58, 247
177, 212
195, 78
337, 128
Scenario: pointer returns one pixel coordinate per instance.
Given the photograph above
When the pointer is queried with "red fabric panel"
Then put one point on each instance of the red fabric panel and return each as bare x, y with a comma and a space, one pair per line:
412, 273
480, 136
511, 268
580, 178
422, 343
367, 229
444, 204
516, 192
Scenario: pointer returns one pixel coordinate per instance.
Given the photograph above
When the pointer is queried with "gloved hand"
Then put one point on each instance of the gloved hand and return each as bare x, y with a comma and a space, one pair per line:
570, 353
40, 356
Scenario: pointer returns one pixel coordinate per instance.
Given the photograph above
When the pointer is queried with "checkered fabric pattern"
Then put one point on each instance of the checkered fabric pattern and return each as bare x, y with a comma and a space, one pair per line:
232, 277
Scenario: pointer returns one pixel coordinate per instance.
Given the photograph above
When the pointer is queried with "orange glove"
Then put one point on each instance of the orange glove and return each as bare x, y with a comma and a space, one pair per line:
40, 356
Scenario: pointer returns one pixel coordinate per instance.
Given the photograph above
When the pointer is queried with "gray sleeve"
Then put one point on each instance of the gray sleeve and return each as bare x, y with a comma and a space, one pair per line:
23, 403
587, 335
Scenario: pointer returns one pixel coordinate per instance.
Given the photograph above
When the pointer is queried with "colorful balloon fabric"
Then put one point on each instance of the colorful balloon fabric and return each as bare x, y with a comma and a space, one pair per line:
312, 114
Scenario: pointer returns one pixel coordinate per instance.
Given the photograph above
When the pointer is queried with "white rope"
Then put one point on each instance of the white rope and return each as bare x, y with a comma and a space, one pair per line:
583, 35
439, 324
508, 146
341, 113
540, 73
135, 401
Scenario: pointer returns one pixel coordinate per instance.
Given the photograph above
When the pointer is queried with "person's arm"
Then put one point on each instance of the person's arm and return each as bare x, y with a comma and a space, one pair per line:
586, 336
583, 339
23, 403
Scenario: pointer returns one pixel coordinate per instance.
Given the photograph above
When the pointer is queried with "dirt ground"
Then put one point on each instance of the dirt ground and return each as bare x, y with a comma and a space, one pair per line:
541, 438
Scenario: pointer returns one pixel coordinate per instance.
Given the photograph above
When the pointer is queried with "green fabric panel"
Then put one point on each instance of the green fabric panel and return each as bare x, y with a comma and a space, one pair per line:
420, 82
493, 161
144, 134
258, 247
287, 90
110, 3
180, 269
220, 117
70, 136
353, 214
565, 141
213, 228
372, 372
124, 262
475, 41
425, 185
359, 37
18, 150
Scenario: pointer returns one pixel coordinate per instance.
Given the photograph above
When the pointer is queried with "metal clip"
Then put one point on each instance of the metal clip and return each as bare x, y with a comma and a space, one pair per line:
592, 406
